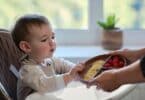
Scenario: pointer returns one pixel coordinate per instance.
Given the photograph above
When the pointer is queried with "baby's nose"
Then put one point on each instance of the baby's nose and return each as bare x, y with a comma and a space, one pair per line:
51, 42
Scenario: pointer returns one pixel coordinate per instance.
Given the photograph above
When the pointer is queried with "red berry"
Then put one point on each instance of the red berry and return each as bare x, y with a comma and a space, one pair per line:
121, 64
110, 61
106, 65
115, 64
115, 59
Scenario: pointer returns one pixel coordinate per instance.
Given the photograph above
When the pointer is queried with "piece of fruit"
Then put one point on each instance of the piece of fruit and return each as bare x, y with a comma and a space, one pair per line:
114, 62
94, 69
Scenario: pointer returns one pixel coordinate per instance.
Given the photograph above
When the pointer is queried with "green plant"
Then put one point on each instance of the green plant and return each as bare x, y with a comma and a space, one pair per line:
109, 23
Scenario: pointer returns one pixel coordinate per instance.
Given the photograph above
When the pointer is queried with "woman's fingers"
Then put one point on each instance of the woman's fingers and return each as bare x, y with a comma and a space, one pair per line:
118, 52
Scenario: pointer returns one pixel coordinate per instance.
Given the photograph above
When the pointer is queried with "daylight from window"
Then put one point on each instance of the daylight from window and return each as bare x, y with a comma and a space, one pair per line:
63, 14
129, 12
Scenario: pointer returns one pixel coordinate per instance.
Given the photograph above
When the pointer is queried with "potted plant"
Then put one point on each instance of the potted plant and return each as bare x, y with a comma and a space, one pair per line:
112, 36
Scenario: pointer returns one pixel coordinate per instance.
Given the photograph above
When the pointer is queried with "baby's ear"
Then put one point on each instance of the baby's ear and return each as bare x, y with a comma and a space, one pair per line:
25, 46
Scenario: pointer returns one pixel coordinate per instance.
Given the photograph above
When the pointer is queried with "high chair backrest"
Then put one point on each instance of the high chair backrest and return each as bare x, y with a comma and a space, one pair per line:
9, 55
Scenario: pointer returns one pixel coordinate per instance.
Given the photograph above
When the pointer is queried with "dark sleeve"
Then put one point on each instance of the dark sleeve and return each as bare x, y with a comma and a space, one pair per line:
142, 65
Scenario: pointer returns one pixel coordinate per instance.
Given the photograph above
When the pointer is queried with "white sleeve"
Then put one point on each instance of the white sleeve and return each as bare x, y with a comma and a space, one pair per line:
61, 65
35, 78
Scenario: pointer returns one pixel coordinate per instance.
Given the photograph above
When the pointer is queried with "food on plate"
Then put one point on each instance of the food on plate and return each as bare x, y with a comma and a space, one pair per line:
94, 69
96, 65
115, 61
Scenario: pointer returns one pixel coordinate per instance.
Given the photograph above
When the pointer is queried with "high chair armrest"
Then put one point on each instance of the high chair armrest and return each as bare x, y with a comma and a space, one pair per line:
121, 92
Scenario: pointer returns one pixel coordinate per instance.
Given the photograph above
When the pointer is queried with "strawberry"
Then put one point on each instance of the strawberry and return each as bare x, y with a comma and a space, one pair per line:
114, 62
115, 59
107, 65
121, 64
110, 61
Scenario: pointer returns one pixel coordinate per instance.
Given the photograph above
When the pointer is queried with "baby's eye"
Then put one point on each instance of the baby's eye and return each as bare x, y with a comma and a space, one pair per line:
44, 40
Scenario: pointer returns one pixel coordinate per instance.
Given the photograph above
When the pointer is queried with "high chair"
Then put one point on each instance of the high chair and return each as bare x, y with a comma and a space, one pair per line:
9, 56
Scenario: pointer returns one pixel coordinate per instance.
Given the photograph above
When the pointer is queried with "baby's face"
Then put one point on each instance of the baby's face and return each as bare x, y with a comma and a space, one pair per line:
42, 42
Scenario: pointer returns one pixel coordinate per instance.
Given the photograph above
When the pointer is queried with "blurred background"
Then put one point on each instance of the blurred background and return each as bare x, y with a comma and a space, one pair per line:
73, 14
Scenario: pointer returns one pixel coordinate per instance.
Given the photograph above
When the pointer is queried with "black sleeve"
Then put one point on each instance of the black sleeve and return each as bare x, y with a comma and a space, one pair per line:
142, 65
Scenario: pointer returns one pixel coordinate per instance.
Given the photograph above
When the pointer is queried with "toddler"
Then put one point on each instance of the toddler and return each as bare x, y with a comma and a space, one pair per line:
40, 71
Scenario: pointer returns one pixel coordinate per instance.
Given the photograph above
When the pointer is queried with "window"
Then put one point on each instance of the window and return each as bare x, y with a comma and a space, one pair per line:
74, 21
69, 17
64, 14
130, 12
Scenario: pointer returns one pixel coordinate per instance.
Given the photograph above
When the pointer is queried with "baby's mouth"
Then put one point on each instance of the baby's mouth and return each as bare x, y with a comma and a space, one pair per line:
52, 50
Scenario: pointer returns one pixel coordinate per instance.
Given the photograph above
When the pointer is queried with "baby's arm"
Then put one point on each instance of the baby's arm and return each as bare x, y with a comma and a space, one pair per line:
69, 69
34, 77
61, 65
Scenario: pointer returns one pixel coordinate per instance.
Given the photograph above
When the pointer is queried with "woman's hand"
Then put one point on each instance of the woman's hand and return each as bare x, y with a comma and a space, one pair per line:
107, 81
131, 55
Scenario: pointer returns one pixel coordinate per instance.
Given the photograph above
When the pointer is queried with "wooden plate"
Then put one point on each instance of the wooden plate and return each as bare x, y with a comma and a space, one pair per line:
94, 66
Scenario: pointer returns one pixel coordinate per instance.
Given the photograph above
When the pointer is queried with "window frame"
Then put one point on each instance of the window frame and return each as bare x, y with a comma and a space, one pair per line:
91, 36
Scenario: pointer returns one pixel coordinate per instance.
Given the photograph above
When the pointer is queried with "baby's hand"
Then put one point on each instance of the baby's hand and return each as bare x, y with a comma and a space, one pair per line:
73, 74
75, 70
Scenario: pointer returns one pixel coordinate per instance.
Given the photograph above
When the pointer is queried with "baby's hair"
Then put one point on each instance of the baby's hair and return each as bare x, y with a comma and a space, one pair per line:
23, 25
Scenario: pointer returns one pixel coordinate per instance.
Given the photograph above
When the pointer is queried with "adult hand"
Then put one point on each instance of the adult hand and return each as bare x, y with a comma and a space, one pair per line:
107, 81
131, 55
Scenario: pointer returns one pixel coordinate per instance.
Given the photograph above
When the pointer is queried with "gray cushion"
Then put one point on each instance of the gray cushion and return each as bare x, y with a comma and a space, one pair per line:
3, 93
9, 54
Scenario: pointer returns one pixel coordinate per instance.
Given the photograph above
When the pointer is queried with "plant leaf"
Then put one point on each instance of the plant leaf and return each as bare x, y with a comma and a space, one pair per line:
109, 23
102, 24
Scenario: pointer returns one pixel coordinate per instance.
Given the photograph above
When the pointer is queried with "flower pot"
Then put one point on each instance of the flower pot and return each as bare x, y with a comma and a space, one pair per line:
112, 39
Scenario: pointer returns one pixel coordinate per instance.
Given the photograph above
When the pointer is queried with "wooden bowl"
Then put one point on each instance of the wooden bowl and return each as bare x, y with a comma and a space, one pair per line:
94, 66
